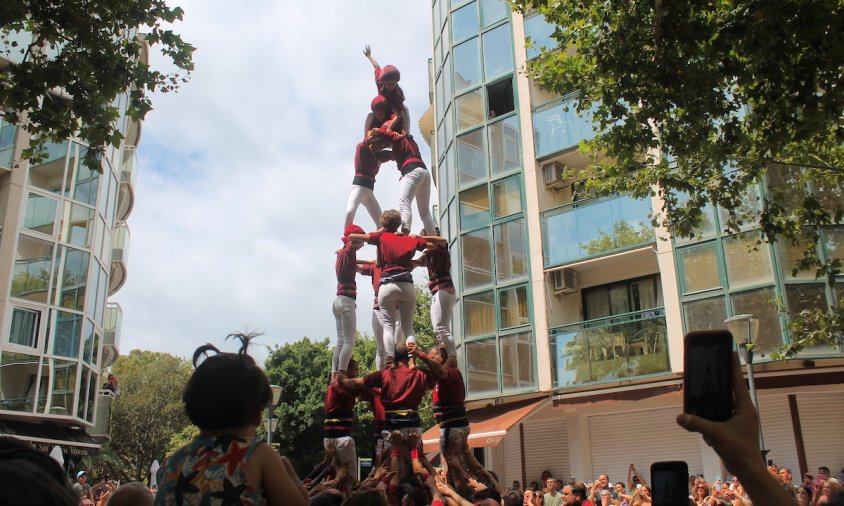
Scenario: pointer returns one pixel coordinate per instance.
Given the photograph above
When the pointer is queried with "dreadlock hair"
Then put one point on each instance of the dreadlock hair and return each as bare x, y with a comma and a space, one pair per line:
227, 390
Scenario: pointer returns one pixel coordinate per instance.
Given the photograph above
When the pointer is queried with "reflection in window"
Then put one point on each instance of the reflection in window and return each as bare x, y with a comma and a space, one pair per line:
556, 129
477, 261
82, 183
464, 22
479, 315
482, 367
64, 387
24, 329
48, 173
747, 212
18, 375
470, 109
700, 268
808, 297
471, 157
70, 286
67, 334
790, 255
620, 298
88, 336
513, 307
505, 154
40, 214
83, 390
517, 369
507, 196
92, 397
511, 261
706, 314
747, 263
540, 33
762, 304
493, 11
7, 143
474, 208
31, 275
834, 243
467, 65
78, 225
498, 52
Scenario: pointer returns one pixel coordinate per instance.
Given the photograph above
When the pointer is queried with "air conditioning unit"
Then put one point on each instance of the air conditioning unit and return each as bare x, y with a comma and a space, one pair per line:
552, 174
565, 281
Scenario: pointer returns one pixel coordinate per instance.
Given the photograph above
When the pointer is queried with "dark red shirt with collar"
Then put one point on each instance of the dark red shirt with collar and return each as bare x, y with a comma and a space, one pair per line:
373, 271
438, 262
346, 268
448, 397
366, 166
373, 397
395, 252
339, 411
406, 153
401, 387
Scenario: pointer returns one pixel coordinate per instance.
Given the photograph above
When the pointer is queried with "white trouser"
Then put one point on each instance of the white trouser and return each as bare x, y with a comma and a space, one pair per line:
416, 184
397, 301
347, 455
378, 331
344, 315
362, 195
442, 304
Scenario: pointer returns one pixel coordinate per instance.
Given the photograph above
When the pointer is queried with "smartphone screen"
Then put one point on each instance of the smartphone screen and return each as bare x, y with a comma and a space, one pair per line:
670, 483
707, 378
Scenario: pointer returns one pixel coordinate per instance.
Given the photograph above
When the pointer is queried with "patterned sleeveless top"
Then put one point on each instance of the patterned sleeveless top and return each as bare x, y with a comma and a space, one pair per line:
208, 472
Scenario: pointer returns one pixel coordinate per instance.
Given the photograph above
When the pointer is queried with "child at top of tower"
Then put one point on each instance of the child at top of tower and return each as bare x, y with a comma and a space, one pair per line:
387, 82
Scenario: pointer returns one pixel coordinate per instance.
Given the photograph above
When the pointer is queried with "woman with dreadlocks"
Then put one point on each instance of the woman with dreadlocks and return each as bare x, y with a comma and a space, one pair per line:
225, 464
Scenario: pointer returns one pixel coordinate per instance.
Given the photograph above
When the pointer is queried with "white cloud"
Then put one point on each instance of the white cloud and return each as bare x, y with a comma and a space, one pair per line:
245, 172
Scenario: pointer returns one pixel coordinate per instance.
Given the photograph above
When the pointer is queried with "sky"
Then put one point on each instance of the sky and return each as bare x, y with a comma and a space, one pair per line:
244, 172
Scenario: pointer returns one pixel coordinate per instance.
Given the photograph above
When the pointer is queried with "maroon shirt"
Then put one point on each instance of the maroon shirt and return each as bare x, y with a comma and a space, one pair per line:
438, 262
406, 153
366, 166
375, 272
373, 397
401, 387
339, 411
345, 267
449, 394
395, 252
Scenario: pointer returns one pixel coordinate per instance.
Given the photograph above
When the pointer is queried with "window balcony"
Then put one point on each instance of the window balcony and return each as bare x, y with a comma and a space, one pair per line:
596, 227
610, 349
100, 430
126, 191
119, 255
558, 127
112, 323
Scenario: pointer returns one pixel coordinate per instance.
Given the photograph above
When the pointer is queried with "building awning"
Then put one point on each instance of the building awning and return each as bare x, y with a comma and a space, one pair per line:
43, 436
489, 425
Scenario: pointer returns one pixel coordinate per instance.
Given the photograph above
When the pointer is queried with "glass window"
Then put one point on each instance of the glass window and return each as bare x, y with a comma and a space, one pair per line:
507, 196
493, 11
102, 286
790, 254
748, 211
24, 330
700, 268
471, 157
556, 129
540, 33
439, 92
513, 307
70, 286
706, 230
761, 303
805, 296
437, 17
834, 242
511, 259
442, 183
64, 387
477, 259
747, 266
706, 314
444, 11
88, 335
40, 214
500, 99
31, 276
18, 375
48, 174
83, 390
448, 89
505, 153
68, 333
474, 208
464, 22
467, 65
498, 52
83, 187
470, 109
482, 367
479, 311
78, 225
517, 369
7, 141
829, 195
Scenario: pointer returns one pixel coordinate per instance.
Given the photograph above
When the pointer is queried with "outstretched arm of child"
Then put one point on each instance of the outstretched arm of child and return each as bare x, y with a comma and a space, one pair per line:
368, 53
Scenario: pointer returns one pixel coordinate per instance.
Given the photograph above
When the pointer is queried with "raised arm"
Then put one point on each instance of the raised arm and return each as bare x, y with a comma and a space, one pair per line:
436, 369
368, 53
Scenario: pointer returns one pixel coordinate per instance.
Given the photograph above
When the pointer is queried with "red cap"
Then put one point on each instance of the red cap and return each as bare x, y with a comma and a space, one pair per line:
351, 229
379, 102
389, 73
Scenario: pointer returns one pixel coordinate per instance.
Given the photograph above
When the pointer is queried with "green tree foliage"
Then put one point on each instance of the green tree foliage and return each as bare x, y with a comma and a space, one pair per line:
82, 56
698, 101
146, 415
624, 234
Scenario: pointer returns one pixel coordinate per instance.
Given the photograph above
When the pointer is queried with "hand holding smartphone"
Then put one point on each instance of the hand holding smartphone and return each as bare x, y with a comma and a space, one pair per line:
707, 376
670, 483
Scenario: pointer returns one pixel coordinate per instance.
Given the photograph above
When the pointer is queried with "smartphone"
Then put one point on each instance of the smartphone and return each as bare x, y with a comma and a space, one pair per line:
707, 378
670, 483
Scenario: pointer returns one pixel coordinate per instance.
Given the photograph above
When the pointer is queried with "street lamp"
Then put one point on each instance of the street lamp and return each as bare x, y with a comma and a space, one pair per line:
745, 330
271, 421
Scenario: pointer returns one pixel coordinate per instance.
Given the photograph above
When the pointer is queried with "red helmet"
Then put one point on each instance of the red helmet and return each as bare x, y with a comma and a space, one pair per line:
379, 103
389, 73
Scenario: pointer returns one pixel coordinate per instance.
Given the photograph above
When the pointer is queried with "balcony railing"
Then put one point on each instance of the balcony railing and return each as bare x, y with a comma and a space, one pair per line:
126, 194
558, 127
595, 227
101, 421
112, 322
610, 349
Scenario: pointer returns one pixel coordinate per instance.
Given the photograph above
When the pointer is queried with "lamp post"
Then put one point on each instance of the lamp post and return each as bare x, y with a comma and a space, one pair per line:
745, 329
270, 419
